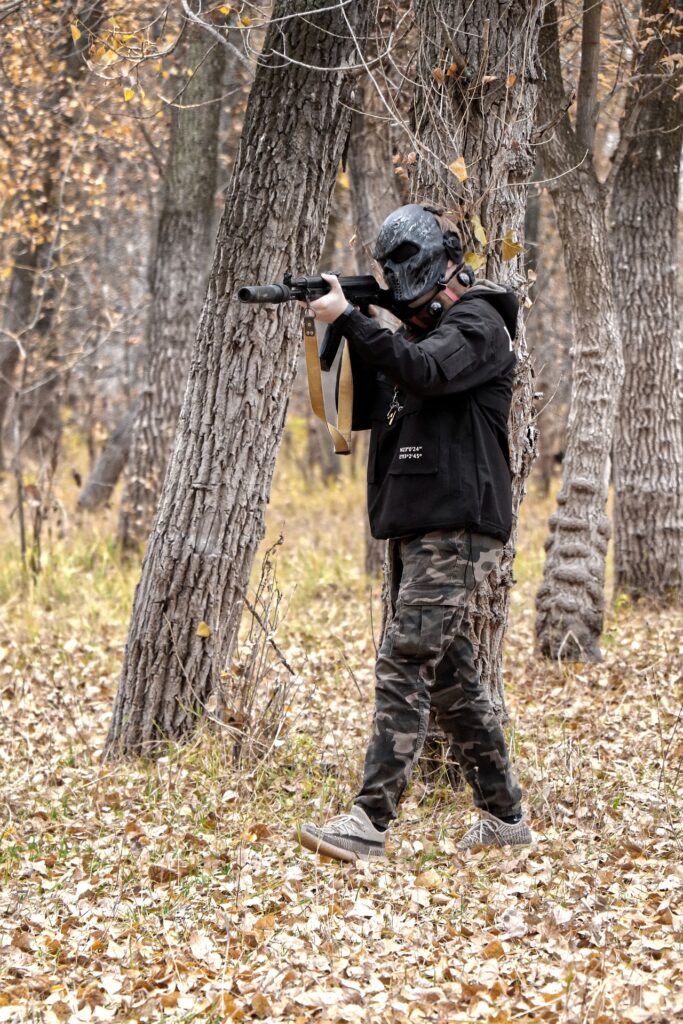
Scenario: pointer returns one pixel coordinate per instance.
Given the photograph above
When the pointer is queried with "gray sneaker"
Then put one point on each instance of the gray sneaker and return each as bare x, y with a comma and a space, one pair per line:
491, 831
349, 837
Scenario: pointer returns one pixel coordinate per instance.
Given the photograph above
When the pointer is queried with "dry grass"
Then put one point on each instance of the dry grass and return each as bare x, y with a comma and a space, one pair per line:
172, 891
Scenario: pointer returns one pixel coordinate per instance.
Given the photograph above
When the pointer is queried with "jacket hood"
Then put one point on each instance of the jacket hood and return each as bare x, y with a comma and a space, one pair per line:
503, 301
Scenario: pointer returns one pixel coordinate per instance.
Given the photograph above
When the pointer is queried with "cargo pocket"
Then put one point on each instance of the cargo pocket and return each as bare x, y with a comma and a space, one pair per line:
416, 632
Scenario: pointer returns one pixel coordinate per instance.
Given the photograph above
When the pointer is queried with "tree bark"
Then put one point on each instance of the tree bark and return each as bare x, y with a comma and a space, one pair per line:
570, 601
178, 280
374, 196
648, 439
211, 517
478, 77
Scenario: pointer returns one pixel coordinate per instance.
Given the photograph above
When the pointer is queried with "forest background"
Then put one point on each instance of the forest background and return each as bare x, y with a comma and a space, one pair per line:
154, 158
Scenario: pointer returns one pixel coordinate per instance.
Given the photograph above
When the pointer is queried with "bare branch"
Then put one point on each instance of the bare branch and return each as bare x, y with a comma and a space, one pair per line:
586, 104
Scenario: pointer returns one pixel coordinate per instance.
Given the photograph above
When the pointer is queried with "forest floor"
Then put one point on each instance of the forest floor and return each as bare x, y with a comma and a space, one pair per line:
172, 890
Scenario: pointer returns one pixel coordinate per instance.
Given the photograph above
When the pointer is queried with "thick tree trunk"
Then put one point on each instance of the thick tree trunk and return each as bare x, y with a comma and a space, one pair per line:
211, 516
374, 196
479, 75
105, 473
178, 282
648, 437
570, 601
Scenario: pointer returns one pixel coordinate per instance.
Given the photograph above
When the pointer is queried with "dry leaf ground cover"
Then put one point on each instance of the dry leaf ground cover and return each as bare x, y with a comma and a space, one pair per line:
172, 890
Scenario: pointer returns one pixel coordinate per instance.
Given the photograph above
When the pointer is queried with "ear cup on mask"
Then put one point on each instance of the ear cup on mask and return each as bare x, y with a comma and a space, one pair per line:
453, 246
465, 276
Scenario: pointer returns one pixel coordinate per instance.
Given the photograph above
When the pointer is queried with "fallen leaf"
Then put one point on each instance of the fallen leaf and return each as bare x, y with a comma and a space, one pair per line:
201, 945
261, 1005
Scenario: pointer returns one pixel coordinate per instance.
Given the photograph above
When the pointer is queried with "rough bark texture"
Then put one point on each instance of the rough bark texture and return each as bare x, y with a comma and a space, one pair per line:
105, 473
374, 196
211, 515
570, 601
648, 438
484, 112
178, 279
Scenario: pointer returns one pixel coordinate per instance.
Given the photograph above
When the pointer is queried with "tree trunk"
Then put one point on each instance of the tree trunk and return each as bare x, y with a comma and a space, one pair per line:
547, 335
33, 295
178, 281
211, 517
105, 473
648, 438
570, 601
478, 73
16, 319
374, 196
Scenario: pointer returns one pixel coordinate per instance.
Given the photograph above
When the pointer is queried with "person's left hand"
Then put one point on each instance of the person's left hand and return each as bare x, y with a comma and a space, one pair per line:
328, 307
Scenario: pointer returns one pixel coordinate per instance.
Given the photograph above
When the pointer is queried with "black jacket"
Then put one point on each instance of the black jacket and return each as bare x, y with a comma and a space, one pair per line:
443, 463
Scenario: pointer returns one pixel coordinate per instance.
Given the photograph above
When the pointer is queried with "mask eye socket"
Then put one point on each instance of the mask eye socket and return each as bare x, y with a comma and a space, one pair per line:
403, 252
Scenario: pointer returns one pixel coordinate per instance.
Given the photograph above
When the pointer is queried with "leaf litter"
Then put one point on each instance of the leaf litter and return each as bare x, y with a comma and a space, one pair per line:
173, 890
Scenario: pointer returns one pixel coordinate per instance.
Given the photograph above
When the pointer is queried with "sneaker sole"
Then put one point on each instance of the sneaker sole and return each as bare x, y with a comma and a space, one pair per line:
317, 845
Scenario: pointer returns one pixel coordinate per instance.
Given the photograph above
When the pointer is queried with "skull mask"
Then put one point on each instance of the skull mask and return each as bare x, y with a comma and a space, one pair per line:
410, 249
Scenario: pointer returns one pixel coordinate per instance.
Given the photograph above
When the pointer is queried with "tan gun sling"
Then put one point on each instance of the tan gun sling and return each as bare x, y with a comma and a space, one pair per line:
341, 433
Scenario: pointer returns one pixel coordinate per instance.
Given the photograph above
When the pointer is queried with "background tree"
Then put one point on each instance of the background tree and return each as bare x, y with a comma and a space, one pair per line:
570, 602
474, 114
374, 196
179, 271
643, 215
40, 110
210, 520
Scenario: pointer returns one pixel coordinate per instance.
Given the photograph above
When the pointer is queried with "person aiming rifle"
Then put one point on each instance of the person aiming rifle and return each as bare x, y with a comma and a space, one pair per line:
436, 397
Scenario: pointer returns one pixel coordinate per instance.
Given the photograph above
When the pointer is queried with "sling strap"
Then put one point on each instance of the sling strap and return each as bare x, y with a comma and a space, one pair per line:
341, 433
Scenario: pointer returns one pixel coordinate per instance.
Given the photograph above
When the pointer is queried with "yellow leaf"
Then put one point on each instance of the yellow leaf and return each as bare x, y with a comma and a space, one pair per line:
459, 169
260, 1005
510, 81
128, 94
475, 260
478, 228
75, 32
510, 248
246, 20
343, 179
203, 629
225, 9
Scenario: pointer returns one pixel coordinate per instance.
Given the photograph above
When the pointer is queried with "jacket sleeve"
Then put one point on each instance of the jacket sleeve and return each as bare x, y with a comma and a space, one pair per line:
468, 348
364, 384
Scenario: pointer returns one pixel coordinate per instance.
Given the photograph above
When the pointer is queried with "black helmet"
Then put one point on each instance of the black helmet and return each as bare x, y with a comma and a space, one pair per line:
414, 252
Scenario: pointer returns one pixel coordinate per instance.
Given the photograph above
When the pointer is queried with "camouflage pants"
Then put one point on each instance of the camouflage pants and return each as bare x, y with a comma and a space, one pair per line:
427, 660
